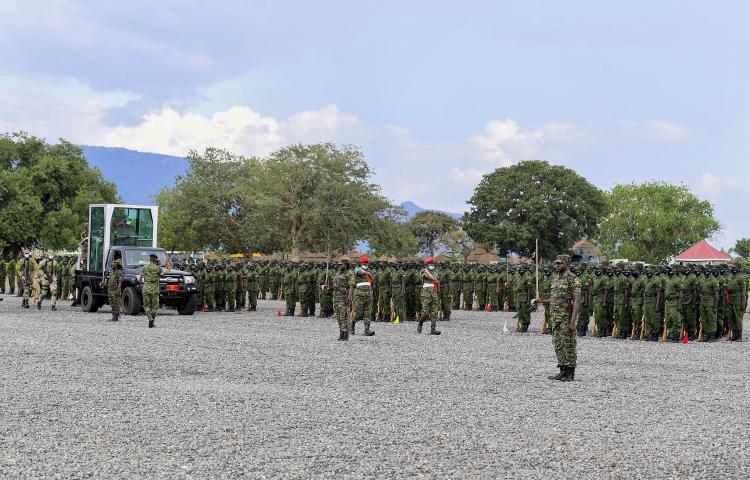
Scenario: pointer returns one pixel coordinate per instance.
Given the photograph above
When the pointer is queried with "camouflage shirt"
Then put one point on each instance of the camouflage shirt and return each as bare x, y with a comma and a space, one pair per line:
341, 286
563, 289
151, 274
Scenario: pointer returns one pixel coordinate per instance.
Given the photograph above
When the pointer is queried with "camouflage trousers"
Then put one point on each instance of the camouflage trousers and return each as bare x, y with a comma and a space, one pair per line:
563, 338
735, 313
46, 288
708, 316
652, 319
672, 317
623, 317
114, 301
524, 314
340, 310
456, 298
430, 306
362, 304
252, 299
151, 303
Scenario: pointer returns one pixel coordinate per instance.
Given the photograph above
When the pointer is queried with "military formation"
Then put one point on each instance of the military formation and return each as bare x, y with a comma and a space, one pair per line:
36, 279
622, 300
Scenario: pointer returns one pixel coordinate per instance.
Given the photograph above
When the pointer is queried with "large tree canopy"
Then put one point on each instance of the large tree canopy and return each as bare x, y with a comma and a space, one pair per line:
303, 197
430, 228
45, 191
513, 206
654, 221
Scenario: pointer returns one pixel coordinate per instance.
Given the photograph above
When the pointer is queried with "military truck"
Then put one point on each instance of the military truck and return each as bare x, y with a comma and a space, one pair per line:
128, 233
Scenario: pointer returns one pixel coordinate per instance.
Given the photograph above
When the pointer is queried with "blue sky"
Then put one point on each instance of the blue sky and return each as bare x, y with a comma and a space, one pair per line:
436, 93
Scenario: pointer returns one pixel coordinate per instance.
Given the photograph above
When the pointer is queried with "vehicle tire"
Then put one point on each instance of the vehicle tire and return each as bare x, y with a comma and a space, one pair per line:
88, 301
131, 301
188, 306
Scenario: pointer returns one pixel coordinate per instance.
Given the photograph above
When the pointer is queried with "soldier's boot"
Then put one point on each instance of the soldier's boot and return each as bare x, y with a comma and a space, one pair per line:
738, 336
581, 330
559, 375
523, 329
676, 337
150, 320
54, 308
622, 335
346, 335
447, 317
39, 305
368, 332
115, 317
706, 338
419, 326
351, 327
569, 374
434, 330
601, 333
341, 335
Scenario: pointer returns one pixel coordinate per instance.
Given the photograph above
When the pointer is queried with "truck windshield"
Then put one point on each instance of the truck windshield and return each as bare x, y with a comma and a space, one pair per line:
139, 258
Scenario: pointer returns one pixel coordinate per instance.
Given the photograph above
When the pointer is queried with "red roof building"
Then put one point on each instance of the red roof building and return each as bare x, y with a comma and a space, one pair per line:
588, 252
702, 253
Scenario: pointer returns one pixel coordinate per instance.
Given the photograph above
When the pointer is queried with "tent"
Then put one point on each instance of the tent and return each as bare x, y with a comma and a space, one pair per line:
703, 253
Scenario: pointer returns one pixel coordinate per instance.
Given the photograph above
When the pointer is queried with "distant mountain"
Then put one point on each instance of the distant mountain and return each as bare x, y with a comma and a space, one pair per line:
138, 175
412, 209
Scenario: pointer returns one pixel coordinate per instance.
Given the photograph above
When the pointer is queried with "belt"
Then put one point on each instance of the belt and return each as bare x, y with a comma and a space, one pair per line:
363, 284
428, 285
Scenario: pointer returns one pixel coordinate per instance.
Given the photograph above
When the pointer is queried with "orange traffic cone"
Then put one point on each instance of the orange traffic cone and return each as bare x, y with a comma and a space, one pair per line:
685, 339
489, 308
278, 314
203, 308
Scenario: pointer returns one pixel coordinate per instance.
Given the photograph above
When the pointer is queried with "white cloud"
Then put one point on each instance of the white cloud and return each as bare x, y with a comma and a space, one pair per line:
654, 130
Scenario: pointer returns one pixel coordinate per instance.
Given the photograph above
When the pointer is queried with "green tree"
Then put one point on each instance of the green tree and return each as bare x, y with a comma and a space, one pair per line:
513, 206
654, 221
45, 191
392, 237
303, 197
742, 248
429, 228
458, 244
314, 197
204, 208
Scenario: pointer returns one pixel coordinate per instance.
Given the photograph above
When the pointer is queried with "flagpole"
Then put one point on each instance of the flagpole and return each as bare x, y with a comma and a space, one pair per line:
536, 253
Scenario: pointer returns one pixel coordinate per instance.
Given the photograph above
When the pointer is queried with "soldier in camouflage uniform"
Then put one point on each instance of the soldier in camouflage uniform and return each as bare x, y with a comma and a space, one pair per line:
25, 270
384, 292
523, 297
430, 298
445, 277
342, 293
457, 280
397, 282
114, 289
288, 285
564, 307
3, 274
251, 287
362, 282
10, 271
150, 290
47, 280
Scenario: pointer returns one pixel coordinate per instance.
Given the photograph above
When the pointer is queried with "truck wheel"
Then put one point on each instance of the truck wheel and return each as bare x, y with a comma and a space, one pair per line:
88, 301
188, 306
131, 301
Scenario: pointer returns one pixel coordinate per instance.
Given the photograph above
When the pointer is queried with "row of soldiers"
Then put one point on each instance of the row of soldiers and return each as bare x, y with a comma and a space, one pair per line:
672, 302
227, 286
36, 278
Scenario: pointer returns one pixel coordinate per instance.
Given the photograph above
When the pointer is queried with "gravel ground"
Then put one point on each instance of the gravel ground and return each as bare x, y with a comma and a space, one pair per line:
250, 394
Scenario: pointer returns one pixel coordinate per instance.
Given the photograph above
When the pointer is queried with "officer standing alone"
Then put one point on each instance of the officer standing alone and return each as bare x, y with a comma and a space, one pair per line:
564, 307
151, 275
114, 286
